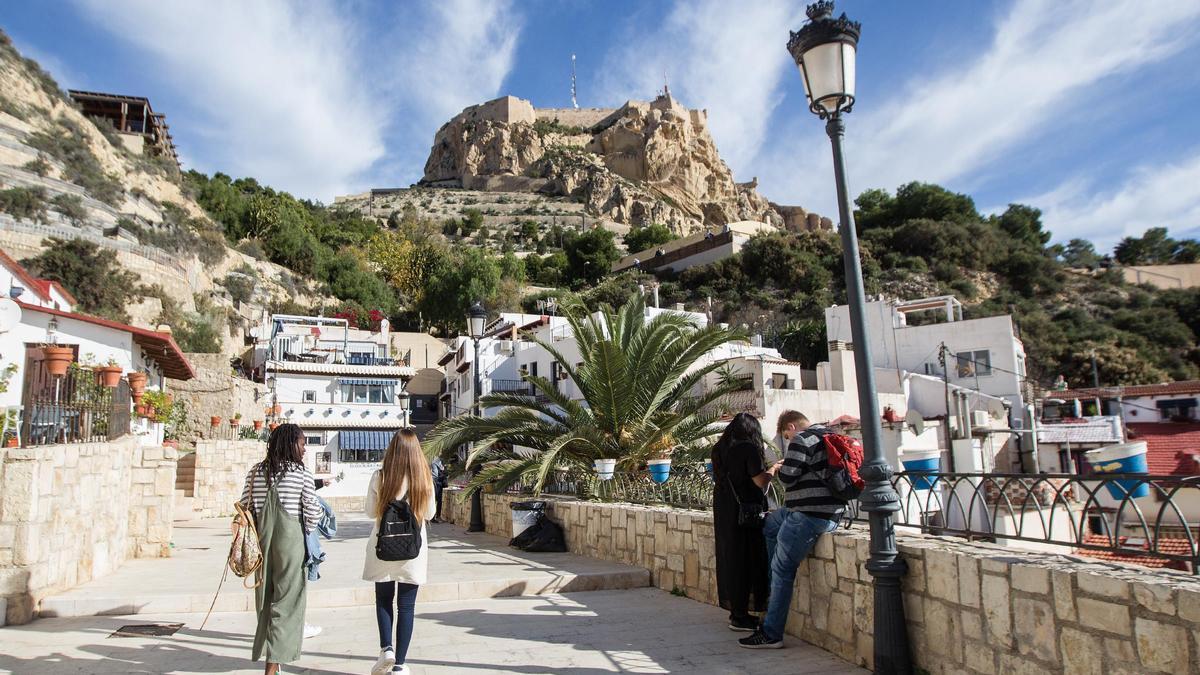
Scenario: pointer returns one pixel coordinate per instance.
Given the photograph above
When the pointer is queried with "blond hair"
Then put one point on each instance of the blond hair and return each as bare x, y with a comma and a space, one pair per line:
404, 464
791, 417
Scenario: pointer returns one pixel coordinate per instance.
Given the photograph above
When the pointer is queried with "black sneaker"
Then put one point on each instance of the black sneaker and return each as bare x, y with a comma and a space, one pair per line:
746, 625
760, 641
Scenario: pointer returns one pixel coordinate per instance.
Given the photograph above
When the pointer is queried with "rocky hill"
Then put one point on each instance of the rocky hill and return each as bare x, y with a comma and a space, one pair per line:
74, 178
639, 164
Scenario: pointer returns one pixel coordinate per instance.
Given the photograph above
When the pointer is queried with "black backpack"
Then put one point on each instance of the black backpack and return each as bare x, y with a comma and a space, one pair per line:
399, 533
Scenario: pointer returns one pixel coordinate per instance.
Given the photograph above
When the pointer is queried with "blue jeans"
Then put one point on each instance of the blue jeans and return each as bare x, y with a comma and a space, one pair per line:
406, 603
790, 536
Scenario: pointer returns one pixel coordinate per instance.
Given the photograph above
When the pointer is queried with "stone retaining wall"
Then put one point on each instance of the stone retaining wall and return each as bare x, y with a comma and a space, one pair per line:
970, 607
221, 467
72, 513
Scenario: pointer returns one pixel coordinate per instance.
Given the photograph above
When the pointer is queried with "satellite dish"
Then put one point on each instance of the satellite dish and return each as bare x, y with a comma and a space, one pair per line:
10, 314
915, 421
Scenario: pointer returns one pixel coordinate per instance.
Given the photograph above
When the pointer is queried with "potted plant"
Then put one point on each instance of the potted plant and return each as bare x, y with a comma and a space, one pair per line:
273, 426
660, 462
258, 425
57, 359
110, 374
236, 421
215, 420
137, 384
277, 410
158, 404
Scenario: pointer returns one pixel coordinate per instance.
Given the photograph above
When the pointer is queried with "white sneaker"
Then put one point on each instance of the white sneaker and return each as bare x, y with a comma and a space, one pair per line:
311, 631
387, 659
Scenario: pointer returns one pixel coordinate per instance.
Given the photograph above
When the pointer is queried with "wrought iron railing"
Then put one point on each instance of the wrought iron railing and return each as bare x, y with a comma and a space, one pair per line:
71, 408
1130, 517
687, 486
511, 387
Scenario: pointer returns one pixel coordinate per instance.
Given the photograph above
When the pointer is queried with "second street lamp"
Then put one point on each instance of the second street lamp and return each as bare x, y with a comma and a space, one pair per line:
476, 320
824, 50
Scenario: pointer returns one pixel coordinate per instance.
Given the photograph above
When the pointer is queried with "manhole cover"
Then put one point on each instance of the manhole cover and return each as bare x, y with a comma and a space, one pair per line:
147, 630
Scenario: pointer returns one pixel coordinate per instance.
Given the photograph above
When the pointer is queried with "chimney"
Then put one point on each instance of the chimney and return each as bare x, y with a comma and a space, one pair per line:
655, 287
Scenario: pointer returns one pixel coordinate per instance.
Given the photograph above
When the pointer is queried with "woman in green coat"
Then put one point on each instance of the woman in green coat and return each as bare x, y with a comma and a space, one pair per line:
282, 495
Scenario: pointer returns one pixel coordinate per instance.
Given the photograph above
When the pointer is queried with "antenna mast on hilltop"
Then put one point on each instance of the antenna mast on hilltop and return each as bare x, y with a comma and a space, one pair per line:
574, 103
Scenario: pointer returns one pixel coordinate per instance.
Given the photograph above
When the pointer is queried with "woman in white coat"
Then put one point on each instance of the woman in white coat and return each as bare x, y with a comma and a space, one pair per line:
405, 475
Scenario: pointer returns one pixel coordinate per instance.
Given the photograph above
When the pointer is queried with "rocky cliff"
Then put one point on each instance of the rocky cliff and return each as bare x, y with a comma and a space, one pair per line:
639, 164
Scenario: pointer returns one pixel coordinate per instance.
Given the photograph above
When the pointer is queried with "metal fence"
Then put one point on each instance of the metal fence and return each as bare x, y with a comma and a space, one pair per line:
1130, 517
1135, 518
72, 408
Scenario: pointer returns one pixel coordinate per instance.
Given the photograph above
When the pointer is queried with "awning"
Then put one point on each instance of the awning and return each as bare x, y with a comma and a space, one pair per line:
364, 440
352, 380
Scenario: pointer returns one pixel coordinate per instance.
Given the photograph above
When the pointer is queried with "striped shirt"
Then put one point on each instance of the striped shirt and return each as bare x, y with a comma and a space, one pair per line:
803, 463
295, 487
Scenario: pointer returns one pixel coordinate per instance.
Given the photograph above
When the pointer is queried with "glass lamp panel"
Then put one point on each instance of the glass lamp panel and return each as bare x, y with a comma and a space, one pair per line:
823, 66
848, 53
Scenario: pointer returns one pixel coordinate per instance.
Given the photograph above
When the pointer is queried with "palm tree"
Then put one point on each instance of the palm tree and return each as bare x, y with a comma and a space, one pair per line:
637, 378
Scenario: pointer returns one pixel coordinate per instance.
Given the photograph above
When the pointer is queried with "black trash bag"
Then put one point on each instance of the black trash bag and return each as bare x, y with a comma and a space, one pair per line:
522, 540
544, 536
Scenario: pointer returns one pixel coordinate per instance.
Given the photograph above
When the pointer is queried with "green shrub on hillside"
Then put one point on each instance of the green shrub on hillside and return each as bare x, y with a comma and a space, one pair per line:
24, 202
71, 206
90, 273
69, 146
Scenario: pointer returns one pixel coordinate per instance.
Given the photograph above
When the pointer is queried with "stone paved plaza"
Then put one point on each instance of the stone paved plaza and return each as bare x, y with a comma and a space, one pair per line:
634, 631
556, 613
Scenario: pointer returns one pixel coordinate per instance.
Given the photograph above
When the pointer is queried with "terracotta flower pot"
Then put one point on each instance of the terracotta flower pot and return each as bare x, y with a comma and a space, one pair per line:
216, 420
58, 359
234, 423
273, 426
139, 410
277, 410
11, 442
258, 425
137, 385
149, 413
110, 376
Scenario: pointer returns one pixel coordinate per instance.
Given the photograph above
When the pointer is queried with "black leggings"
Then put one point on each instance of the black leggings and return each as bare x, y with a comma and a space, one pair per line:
406, 603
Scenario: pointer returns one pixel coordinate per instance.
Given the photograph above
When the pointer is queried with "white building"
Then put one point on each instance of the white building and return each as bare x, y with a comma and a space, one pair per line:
346, 390
702, 248
36, 312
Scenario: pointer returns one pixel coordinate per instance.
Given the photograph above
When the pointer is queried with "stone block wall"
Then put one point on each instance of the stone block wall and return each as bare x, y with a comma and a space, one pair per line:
215, 391
73, 513
221, 467
970, 607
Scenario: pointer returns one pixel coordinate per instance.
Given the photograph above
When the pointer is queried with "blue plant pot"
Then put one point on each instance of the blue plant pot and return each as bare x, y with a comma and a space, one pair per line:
660, 470
922, 464
1123, 458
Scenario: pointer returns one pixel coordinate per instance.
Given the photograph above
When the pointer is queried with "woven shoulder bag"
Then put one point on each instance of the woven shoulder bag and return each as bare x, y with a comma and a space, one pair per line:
245, 553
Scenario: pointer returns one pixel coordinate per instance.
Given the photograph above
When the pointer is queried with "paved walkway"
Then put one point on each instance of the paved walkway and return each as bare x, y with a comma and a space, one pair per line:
633, 631
461, 567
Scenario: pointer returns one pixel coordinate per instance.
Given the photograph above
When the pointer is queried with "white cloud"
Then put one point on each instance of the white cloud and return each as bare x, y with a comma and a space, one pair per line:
726, 57
1160, 196
964, 120
275, 84
451, 55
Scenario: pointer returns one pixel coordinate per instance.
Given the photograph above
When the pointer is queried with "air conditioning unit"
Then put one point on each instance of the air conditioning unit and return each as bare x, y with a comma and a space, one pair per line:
980, 418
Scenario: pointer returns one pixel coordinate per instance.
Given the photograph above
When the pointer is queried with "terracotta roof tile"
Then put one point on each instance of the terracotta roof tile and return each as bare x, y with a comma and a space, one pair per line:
1161, 389
1169, 546
1171, 447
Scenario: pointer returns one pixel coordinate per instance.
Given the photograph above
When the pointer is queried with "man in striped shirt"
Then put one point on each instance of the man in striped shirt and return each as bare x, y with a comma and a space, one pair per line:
810, 509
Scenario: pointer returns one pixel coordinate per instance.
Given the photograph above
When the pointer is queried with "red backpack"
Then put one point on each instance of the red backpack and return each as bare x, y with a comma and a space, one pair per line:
845, 458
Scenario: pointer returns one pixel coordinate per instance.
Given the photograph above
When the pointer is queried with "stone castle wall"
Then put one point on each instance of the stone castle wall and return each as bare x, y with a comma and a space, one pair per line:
221, 467
584, 118
73, 513
970, 607
215, 391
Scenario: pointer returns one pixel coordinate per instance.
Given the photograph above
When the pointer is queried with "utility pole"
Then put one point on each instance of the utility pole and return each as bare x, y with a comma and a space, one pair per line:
1096, 382
946, 381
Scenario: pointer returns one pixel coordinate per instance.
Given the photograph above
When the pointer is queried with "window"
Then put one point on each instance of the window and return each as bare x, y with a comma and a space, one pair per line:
974, 364
1177, 409
367, 392
314, 439
309, 396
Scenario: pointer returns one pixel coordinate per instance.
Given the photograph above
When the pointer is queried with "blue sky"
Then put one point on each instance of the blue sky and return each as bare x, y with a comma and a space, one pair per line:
1087, 110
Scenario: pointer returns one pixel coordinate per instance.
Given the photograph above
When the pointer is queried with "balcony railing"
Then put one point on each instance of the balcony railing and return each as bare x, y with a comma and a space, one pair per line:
367, 360
73, 408
511, 387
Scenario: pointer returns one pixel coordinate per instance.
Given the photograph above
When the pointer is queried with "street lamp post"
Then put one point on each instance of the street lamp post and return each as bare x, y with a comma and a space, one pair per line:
824, 50
476, 318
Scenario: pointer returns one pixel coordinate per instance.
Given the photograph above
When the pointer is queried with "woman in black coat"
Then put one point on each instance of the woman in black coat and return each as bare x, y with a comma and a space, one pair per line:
739, 475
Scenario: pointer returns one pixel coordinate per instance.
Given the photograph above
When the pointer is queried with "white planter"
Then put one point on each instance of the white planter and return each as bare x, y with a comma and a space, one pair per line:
605, 468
